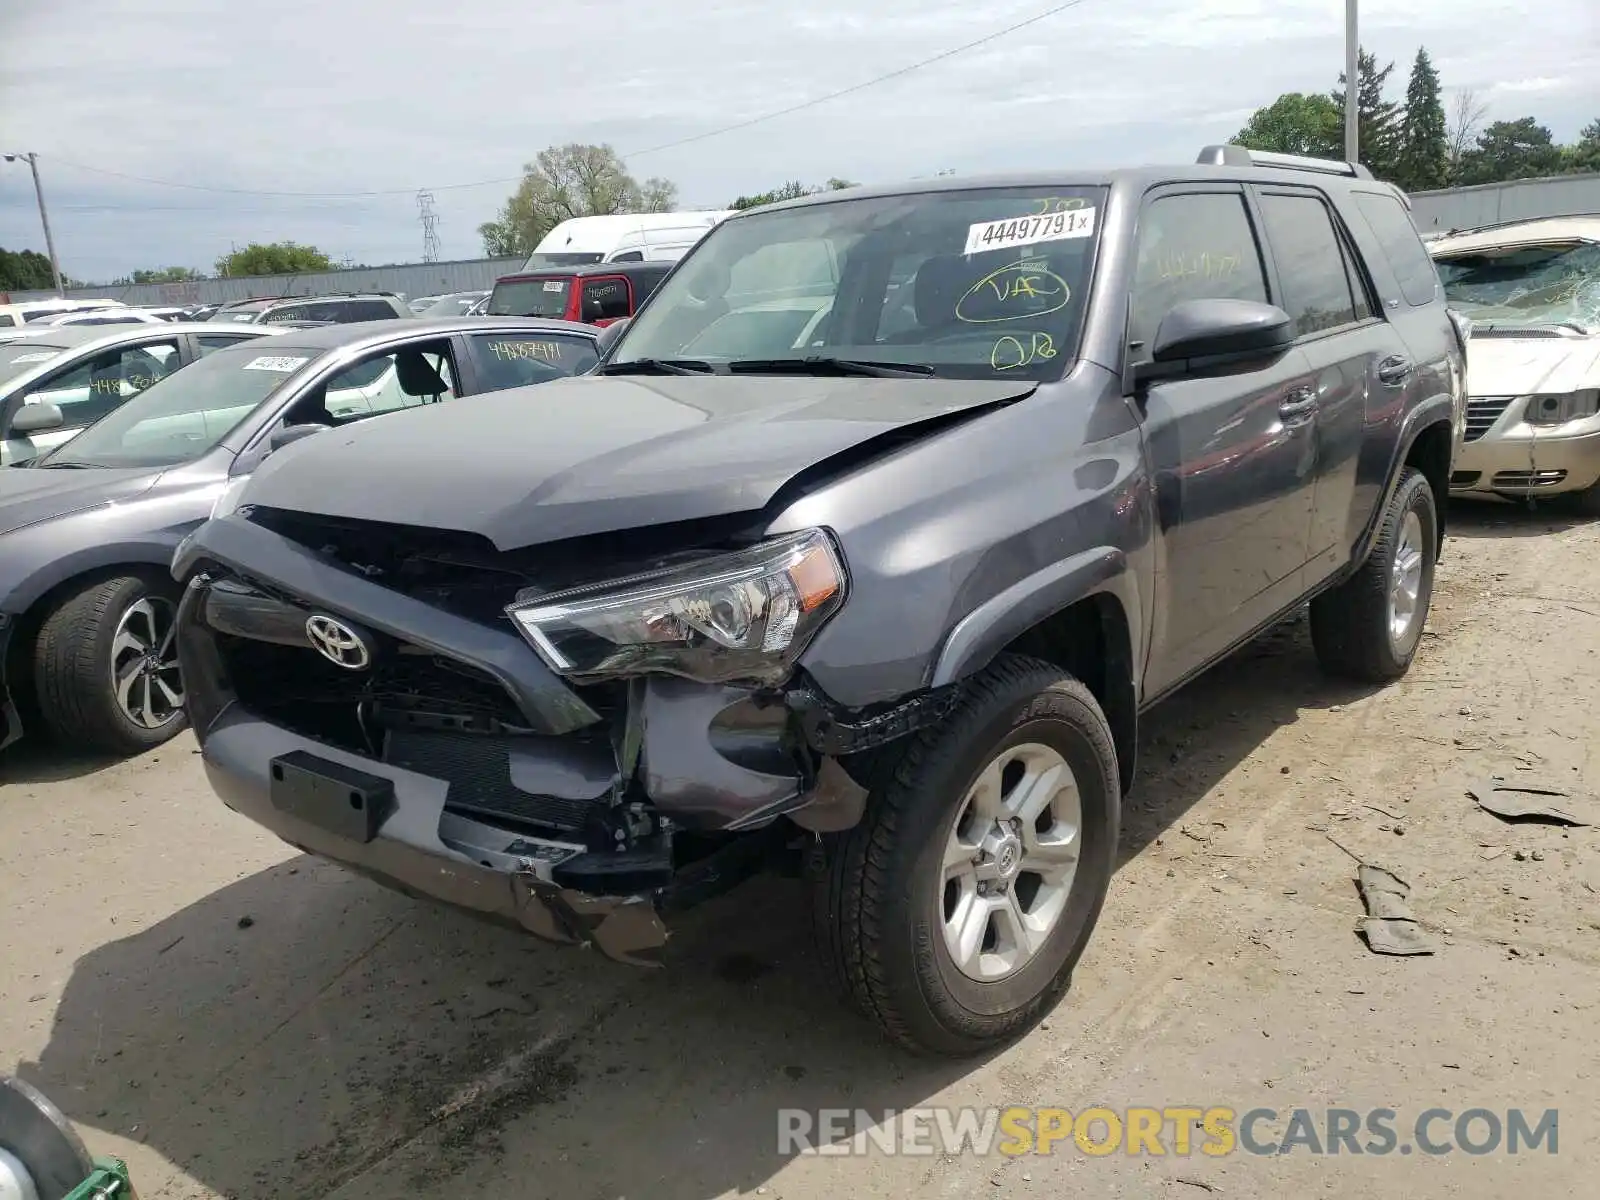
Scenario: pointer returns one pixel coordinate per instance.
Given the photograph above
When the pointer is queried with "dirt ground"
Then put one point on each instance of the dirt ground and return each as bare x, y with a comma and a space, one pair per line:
239, 1020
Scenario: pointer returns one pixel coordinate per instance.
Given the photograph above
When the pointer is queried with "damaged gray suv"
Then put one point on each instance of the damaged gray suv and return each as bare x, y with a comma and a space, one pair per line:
863, 550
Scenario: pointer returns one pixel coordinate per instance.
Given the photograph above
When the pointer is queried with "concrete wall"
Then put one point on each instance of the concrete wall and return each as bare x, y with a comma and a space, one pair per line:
417, 279
1519, 200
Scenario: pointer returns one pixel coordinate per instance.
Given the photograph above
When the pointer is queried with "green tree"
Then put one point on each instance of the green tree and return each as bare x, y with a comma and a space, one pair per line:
792, 190
568, 181
1295, 123
1520, 149
24, 271
165, 275
1422, 158
1377, 119
276, 258
1584, 154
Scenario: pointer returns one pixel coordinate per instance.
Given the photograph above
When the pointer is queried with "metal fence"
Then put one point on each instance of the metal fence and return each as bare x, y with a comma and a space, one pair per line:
416, 279
1519, 200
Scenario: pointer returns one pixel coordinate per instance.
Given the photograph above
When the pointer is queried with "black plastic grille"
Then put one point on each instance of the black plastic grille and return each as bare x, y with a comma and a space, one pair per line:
478, 770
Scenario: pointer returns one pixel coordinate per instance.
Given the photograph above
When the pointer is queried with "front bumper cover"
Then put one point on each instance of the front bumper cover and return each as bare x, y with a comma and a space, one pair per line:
1517, 459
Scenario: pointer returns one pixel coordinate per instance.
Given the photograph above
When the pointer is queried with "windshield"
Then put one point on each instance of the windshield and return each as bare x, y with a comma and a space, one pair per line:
24, 354
185, 415
530, 298
569, 258
988, 283
1528, 285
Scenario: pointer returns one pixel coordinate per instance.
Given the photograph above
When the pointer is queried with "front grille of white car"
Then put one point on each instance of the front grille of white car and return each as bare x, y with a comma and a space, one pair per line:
1483, 412
1528, 479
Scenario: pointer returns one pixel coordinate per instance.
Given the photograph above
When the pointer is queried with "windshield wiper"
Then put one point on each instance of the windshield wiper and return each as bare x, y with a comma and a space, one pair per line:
64, 465
818, 364
657, 366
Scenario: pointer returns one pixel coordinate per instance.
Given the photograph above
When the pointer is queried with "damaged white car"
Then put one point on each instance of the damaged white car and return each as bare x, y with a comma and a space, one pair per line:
1532, 292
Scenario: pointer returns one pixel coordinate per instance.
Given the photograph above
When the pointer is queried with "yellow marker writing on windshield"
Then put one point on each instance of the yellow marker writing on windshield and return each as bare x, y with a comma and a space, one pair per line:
1017, 290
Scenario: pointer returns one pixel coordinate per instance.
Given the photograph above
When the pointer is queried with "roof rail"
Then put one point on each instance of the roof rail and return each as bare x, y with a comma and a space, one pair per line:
1239, 156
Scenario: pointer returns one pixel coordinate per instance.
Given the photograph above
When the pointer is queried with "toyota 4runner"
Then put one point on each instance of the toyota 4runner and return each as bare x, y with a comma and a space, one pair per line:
864, 549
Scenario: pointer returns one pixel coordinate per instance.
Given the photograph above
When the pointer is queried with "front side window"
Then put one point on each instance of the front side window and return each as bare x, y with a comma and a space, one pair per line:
1553, 284
1191, 246
508, 360
1311, 266
95, 386
189, 412
981, 283
381, 383
1402, 245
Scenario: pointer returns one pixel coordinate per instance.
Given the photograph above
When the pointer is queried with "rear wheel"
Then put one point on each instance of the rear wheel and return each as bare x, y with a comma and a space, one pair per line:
954, 914
106, 667
1369, 627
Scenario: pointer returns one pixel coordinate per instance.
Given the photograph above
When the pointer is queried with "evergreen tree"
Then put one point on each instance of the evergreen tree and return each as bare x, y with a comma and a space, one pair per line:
1423, 151
1378, 120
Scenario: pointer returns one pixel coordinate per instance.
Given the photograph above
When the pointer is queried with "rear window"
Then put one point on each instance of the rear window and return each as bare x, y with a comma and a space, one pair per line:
341, 312
530, 297
1402, 245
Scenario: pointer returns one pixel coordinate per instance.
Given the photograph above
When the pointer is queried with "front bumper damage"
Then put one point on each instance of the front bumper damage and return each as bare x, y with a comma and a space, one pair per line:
581, 815
1507, 456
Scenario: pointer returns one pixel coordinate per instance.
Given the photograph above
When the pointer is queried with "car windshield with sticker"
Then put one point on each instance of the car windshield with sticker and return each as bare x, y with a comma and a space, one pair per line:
980, 283
185, 415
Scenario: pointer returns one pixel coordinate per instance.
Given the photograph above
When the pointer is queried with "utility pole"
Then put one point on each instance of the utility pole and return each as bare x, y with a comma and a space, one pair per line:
1352, 92
44, 218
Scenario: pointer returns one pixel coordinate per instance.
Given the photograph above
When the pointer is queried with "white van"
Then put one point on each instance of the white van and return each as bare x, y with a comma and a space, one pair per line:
627, 237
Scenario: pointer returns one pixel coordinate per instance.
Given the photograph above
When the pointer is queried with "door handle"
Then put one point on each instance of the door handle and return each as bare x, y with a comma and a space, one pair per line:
1301, 402
1394, 370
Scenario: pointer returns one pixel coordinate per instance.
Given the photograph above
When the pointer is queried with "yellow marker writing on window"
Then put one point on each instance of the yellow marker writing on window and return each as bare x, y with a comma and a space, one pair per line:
1016, 290
1016, 350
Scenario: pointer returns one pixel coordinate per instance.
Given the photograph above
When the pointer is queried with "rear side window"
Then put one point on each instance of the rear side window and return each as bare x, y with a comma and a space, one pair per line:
7, 319
1192, 246
1311, 269
209, 343
605, 300
508, 360
1402, 246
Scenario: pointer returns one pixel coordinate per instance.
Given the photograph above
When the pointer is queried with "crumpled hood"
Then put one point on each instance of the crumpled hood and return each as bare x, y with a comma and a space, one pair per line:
1508, 366
29, 495
588, 455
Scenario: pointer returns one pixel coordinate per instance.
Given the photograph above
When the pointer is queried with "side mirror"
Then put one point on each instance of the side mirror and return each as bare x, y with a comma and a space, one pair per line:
37, 417
289, 434
609, 335
1238, 329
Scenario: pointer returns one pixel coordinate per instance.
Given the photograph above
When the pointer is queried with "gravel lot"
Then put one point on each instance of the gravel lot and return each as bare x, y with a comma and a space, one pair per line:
239, 1020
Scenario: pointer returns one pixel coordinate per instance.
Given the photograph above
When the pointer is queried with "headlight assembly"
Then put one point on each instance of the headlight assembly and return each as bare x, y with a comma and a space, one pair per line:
742, 616
1560, 407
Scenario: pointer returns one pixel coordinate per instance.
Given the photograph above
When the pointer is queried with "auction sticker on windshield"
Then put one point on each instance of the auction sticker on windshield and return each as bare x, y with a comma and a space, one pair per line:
554, 285
1028, 231
35, 356
283, 363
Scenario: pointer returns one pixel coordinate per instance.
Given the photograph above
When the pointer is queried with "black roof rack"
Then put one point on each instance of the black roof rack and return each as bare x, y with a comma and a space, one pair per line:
1240, 156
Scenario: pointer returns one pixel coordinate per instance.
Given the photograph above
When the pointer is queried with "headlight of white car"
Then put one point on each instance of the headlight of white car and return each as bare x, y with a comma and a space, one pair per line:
1558, 408
744, 616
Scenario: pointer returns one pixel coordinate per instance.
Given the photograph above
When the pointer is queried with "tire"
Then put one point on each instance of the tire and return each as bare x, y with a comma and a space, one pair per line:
882, 895
1352, 625
84, 639
1585, 503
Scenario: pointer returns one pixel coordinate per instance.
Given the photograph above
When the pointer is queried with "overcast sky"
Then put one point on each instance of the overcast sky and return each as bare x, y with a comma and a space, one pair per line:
374, 95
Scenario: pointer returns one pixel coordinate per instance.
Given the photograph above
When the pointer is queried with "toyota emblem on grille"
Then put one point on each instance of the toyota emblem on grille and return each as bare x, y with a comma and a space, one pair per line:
338, 643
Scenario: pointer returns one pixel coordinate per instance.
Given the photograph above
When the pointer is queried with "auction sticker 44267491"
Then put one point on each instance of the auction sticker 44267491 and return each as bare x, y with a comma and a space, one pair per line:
1030, 230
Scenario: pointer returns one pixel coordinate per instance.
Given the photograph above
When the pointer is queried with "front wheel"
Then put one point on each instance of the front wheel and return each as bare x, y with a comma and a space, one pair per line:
105, 667
1368, 628
954, 913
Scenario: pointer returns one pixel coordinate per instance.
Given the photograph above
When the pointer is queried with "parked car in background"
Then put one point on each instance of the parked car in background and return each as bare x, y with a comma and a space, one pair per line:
887, 591
201, 312
340, 309
456, 304
123, 315
418, 303
167, 312
55, 383
625, 237
88, 531
1531, 290
24, 311
596, 294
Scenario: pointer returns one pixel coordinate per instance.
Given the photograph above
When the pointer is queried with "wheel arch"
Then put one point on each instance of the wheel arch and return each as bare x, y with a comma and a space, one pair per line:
1082, 615
1426, 442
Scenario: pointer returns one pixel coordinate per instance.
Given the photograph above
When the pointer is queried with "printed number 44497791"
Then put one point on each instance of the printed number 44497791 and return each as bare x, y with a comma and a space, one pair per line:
1026, 231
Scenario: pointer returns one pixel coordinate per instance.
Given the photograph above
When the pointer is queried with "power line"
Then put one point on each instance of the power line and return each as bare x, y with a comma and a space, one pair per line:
898, 73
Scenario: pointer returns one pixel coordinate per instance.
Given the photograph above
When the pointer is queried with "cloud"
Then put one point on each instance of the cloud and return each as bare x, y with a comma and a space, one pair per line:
379, 95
